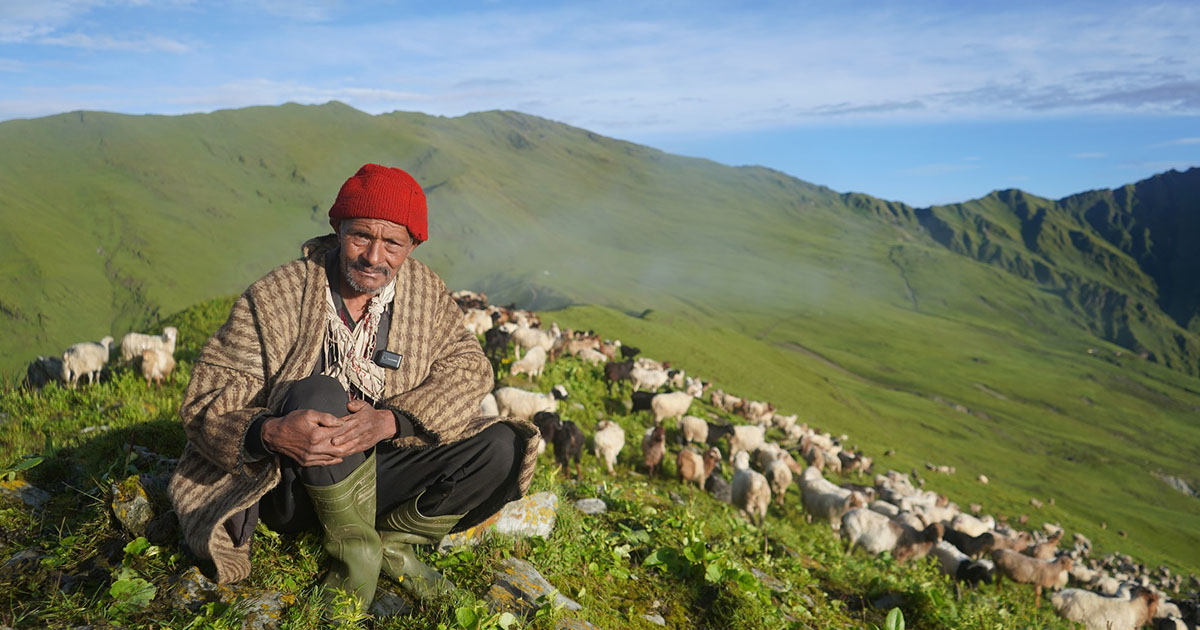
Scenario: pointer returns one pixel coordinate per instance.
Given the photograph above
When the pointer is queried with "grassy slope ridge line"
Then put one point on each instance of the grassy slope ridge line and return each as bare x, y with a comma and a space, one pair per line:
148, 214
690, 562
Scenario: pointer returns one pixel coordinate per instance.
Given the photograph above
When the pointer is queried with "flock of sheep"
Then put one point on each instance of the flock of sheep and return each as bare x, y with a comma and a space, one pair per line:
892, 515
155, 355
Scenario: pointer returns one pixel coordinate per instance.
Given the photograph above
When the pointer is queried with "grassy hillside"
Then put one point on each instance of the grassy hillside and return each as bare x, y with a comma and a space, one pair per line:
662, 548
958, 334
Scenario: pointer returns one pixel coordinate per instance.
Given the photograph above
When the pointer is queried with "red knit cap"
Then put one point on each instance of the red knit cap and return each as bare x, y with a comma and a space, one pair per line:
382, 192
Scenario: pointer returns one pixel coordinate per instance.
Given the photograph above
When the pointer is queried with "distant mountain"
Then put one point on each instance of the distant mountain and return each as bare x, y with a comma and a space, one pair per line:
116, 220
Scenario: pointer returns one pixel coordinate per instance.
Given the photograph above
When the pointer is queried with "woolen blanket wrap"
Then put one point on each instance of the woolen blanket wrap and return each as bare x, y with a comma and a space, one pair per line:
273, 338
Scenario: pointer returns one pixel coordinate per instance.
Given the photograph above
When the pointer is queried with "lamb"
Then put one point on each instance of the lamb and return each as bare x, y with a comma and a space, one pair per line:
1025, 570
532, 363
487, 406
593, 357
156, 365
877, 533
693, 429
747, 438
1045, 550
495, 342
530, 338
970, 525
824, 500
957, 565
616, 371
568, 445
672, 405
518, 403
477, 321
650, 380
777, 472
718, 487
973, 546
88, 358
751, 492
547, 423
1097, 612
43, 370
607, 442
695, 467
653, 448
134, 344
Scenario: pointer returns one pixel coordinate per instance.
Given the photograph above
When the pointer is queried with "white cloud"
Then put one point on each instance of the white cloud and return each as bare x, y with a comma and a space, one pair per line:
1178, 142
147, 44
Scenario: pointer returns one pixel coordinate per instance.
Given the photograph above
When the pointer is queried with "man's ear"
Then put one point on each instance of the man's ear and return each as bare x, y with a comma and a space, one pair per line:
334, 223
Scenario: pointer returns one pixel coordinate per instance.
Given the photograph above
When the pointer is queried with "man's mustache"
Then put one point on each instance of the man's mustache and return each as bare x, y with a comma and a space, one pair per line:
359, 265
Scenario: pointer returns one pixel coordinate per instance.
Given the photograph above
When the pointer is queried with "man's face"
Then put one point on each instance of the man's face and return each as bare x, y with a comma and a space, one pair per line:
372, 251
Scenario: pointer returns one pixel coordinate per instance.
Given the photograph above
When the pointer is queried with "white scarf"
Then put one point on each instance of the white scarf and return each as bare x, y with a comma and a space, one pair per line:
349, 353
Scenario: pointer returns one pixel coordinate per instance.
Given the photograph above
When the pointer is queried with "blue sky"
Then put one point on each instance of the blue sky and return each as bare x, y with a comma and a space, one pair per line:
922, 101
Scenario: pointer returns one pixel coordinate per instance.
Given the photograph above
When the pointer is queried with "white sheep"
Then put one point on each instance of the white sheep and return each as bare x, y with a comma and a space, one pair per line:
477, 321
518, 403
750, 490
672, 405
594, 357
693, 429
876, 533
1097, 612
825, 501
487, 406
156, 365
529, 338
608, 442
532, 363
133, 344
746, 437
649, 380
971, 525
87, 358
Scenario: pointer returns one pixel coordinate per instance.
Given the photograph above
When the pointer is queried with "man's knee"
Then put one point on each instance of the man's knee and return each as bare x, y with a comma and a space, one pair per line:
319, 393
500, 449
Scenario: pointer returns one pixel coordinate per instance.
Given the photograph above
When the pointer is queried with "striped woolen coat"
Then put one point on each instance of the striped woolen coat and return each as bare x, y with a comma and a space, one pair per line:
273, 337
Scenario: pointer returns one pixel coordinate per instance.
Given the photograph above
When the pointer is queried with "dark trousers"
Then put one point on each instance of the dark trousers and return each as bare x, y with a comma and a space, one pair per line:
455, 478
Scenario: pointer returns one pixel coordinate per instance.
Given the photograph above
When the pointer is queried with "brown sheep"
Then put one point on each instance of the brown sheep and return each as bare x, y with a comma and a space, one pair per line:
1025, 570
1045, 550
653, 448
695, 467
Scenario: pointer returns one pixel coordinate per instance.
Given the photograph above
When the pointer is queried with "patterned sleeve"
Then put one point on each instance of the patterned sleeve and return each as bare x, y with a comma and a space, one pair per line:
227, 390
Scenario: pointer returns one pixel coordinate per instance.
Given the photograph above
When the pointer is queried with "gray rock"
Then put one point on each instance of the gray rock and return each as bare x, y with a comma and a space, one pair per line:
388, 604
192, 590
262, 611
131, 505
888, 602
769, 581
519, 586
29, 495
655, 619
23, 561
678, 500
529, 516
591, 506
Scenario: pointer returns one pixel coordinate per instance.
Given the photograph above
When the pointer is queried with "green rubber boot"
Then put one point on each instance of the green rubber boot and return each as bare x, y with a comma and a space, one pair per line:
347, 514
399, 530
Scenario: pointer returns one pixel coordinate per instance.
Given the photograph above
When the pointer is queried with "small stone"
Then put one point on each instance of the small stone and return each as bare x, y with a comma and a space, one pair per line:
23, 561
676, 499
192, 590
769, 581
578, 405
29, 495
655, 619
591, 506
519, 586
388, 604
529, 516
131, 505
888, 602
262, 611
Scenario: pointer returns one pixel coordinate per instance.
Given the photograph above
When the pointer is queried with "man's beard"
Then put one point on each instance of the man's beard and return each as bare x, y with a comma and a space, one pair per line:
348, 265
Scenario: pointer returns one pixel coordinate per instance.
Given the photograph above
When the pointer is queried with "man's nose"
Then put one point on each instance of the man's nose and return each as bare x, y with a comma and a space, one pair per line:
375, 253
